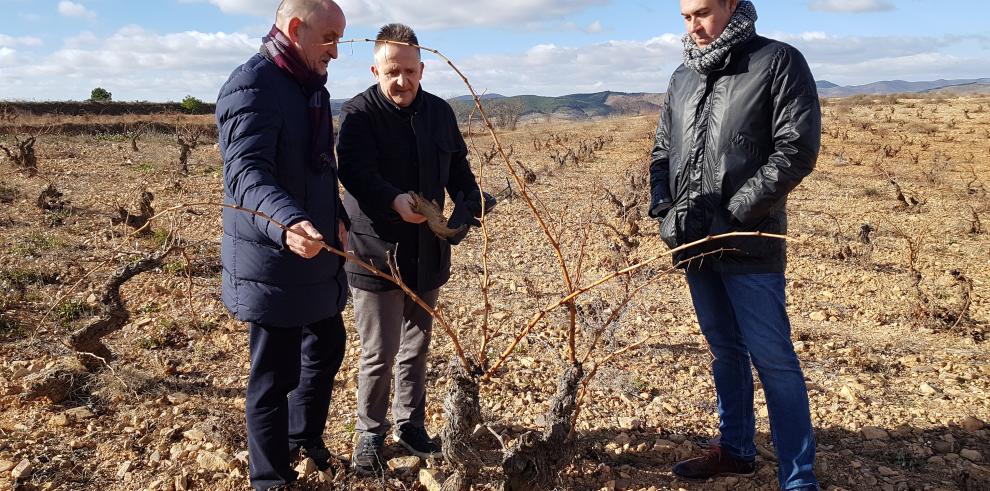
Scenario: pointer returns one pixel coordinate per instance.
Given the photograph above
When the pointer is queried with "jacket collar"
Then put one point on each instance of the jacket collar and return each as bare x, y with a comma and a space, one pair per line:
734, 53
383, 100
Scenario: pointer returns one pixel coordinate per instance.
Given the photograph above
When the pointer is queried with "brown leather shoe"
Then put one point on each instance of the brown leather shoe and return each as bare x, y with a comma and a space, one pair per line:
715, 463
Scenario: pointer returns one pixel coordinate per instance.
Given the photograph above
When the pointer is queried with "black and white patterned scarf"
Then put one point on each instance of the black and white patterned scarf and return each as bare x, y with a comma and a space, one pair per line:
741, 28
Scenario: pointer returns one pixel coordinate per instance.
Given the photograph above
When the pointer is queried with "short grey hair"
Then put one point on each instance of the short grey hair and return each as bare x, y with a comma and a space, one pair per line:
399, 33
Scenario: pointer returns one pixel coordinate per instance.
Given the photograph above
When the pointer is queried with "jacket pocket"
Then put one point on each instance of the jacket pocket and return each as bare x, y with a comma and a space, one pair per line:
369, 247
445, 155
668, 229
741, 141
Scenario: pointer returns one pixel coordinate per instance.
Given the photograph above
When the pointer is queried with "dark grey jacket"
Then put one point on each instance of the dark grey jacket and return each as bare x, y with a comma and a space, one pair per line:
729, 148
385, 151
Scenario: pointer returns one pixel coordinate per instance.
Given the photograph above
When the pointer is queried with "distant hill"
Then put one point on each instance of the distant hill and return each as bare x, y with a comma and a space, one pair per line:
484, 97
570, 107
337, 104
963, 89
603, 104
828, 89
573, 106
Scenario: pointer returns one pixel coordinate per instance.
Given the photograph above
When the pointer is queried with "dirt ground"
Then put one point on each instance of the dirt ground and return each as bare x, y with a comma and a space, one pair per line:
888, 292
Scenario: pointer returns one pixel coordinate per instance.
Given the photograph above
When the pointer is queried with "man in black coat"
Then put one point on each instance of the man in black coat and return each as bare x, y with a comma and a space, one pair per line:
396, 138
740, 129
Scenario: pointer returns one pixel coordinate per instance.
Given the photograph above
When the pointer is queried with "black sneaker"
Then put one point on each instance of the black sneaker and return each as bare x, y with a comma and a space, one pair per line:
320, 454
367, 459
417, 441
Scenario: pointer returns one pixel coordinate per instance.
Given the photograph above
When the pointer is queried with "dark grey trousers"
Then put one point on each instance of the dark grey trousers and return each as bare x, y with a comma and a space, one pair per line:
394, 332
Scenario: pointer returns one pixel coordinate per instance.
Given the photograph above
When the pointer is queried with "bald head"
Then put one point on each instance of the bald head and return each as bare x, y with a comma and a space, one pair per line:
313, 27
304, 10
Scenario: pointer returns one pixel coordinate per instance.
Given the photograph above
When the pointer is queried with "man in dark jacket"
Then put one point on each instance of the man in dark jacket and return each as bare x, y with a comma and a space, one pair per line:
740, 129
276, 139
396, 138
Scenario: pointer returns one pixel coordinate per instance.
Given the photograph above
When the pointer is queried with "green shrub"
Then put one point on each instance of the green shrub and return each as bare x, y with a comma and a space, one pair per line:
100, 94
160, 237
192, 105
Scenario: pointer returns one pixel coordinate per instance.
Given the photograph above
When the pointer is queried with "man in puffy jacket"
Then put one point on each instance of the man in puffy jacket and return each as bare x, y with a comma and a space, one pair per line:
740, 128
276, 139
395, 138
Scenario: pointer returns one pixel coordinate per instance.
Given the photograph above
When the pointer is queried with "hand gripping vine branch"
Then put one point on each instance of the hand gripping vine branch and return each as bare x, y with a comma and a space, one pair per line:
392, 277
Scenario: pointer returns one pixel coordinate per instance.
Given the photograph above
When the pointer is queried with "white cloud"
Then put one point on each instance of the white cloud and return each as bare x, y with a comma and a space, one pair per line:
826, 48
133, 63
81, 40
919, 67
856, 6
261, 8
13, 42
431, 14
646, 66
855, 60
73, 9
594, 27
437, 14
548, 69
8, 56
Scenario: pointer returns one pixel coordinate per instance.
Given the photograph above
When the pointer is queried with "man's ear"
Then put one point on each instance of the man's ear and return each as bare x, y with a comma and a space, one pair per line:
422, 68
374, 71
732, 5
293, 32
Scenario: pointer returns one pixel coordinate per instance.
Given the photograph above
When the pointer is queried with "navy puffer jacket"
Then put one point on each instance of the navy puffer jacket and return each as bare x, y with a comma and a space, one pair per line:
265, 142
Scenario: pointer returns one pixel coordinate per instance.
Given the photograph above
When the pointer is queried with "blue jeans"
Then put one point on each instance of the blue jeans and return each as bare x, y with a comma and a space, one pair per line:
743, 317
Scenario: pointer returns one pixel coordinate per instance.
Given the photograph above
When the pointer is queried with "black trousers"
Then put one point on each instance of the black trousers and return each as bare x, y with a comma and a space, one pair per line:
288, 394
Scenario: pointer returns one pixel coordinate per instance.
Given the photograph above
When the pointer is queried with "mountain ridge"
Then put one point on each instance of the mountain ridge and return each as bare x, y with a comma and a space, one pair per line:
611, 103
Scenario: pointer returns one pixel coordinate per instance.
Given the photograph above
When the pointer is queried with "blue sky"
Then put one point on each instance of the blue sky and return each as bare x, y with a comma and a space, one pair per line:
166, 49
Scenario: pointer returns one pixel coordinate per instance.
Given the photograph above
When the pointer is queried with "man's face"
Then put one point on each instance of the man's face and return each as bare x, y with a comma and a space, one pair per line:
325, 25
706, 19
399, 70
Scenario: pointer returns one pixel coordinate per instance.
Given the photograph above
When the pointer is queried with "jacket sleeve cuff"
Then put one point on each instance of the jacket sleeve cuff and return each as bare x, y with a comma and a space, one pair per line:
660, 208
388, 197
738, 213
288, 216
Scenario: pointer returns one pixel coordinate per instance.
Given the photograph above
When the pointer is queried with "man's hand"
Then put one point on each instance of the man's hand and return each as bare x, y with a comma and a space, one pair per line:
306, 245
342, 233
402, 204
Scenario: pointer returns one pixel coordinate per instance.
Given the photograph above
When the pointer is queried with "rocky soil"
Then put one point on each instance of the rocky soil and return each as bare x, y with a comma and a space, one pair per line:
888, 291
